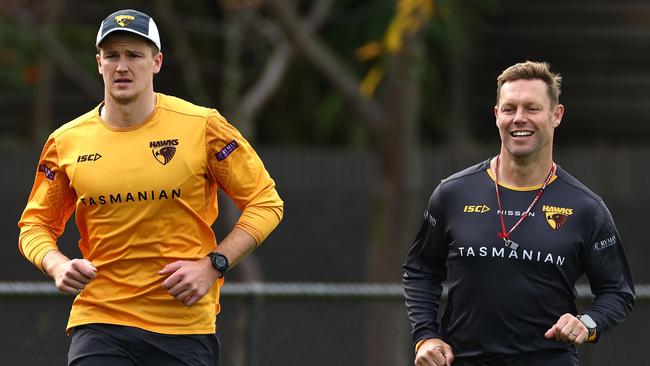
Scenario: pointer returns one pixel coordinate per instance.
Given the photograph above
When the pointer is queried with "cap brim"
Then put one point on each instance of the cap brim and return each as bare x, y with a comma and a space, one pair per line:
100, 40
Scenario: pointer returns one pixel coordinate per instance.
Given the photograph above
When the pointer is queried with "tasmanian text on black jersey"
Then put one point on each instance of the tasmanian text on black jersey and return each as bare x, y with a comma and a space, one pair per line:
503, 252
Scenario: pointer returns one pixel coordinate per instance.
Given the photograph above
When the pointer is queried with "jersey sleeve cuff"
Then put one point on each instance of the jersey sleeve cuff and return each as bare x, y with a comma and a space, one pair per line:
35, 242
259, 222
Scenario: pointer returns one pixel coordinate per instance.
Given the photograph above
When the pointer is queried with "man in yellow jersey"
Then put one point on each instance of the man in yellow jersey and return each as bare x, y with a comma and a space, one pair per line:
141, 172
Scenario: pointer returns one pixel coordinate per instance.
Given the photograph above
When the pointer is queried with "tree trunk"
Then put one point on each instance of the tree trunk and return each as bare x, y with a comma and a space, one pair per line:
249, 269
457, 136
44, 103
400, 182
393, 119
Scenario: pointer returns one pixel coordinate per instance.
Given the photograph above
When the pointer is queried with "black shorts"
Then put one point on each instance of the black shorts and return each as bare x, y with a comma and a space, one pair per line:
116, 345
567, 357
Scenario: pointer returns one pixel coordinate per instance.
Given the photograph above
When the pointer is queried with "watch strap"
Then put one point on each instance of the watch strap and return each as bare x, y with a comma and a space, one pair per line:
219, 262
591, 326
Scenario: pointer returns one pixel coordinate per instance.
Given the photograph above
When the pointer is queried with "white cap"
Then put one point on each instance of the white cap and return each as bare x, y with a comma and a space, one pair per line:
129, 20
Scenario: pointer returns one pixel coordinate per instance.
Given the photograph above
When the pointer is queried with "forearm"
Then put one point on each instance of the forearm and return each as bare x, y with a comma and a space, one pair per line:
422, 302
609, 274
424, 272
610, 309
189, 281
237, 245
51, 260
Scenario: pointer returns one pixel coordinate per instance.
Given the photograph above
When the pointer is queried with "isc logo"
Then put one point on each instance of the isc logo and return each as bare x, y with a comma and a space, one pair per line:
88, 157
476, 208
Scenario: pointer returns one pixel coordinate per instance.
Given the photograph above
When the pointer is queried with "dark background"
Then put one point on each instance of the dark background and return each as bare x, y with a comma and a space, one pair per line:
322, 155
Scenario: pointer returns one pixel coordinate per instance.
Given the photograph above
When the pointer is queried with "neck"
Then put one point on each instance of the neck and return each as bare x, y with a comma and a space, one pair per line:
125, 114
521, 173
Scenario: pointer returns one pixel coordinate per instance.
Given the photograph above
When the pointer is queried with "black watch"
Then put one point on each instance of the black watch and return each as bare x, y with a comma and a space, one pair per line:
591, 327
219, 262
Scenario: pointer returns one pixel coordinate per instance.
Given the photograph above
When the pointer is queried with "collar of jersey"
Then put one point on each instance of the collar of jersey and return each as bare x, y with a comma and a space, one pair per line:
513, 188
127, 129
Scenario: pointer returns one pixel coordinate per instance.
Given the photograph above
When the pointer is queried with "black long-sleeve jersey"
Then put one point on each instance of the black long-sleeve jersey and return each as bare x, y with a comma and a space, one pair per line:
502, 301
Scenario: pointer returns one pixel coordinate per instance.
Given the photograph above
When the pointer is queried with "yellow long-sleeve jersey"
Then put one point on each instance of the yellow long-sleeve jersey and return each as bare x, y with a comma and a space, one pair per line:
145, 197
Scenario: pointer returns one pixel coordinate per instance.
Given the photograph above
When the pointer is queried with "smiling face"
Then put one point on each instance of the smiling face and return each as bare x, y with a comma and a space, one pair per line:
127, 65
526, 119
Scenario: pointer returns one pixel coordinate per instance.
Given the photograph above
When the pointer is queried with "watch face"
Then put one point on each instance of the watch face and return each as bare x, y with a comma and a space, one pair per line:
219, 261
588, 322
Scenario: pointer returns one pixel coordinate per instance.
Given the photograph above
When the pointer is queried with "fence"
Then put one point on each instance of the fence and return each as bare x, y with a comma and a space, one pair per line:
272, 324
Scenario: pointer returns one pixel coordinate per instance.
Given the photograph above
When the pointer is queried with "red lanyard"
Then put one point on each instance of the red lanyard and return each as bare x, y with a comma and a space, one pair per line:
505, 235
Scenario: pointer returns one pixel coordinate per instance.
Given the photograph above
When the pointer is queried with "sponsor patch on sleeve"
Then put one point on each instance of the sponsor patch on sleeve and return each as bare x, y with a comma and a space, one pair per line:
432, 220
605, 243
49, 174
227, 150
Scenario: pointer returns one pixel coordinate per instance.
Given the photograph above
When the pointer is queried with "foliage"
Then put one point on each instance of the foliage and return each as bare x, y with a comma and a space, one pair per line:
410, 16
21, 52
450, 29
361, 32
79, 40
19, 57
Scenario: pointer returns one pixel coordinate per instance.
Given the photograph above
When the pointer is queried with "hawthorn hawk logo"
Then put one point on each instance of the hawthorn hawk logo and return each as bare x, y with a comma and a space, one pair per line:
164, 150
124, 20
557, 216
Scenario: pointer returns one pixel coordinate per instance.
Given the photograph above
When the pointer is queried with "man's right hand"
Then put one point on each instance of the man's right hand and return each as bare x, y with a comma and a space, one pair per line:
434, 352
70, 275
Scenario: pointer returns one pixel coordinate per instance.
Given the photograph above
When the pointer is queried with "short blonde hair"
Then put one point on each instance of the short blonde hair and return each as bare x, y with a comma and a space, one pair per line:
531, 70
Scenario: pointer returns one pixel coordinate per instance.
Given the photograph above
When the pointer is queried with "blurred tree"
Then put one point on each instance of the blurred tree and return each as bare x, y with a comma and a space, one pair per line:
391, 113
18, 51
36, 46
44, 102
450, 36
388, 100
19, 73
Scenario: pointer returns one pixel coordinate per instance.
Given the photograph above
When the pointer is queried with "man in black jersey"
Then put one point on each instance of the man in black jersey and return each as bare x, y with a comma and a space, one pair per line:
511, 236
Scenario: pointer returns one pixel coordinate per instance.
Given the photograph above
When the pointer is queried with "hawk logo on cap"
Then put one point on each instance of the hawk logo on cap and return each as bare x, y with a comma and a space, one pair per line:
124, 20
556, 217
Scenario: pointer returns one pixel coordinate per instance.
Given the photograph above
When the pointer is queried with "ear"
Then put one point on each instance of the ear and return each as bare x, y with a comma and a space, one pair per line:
157, 62
99, 63
557, 115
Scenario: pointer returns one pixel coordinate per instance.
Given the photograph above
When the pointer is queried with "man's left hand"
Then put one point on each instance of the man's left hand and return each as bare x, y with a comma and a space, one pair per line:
568, 329
189, 281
